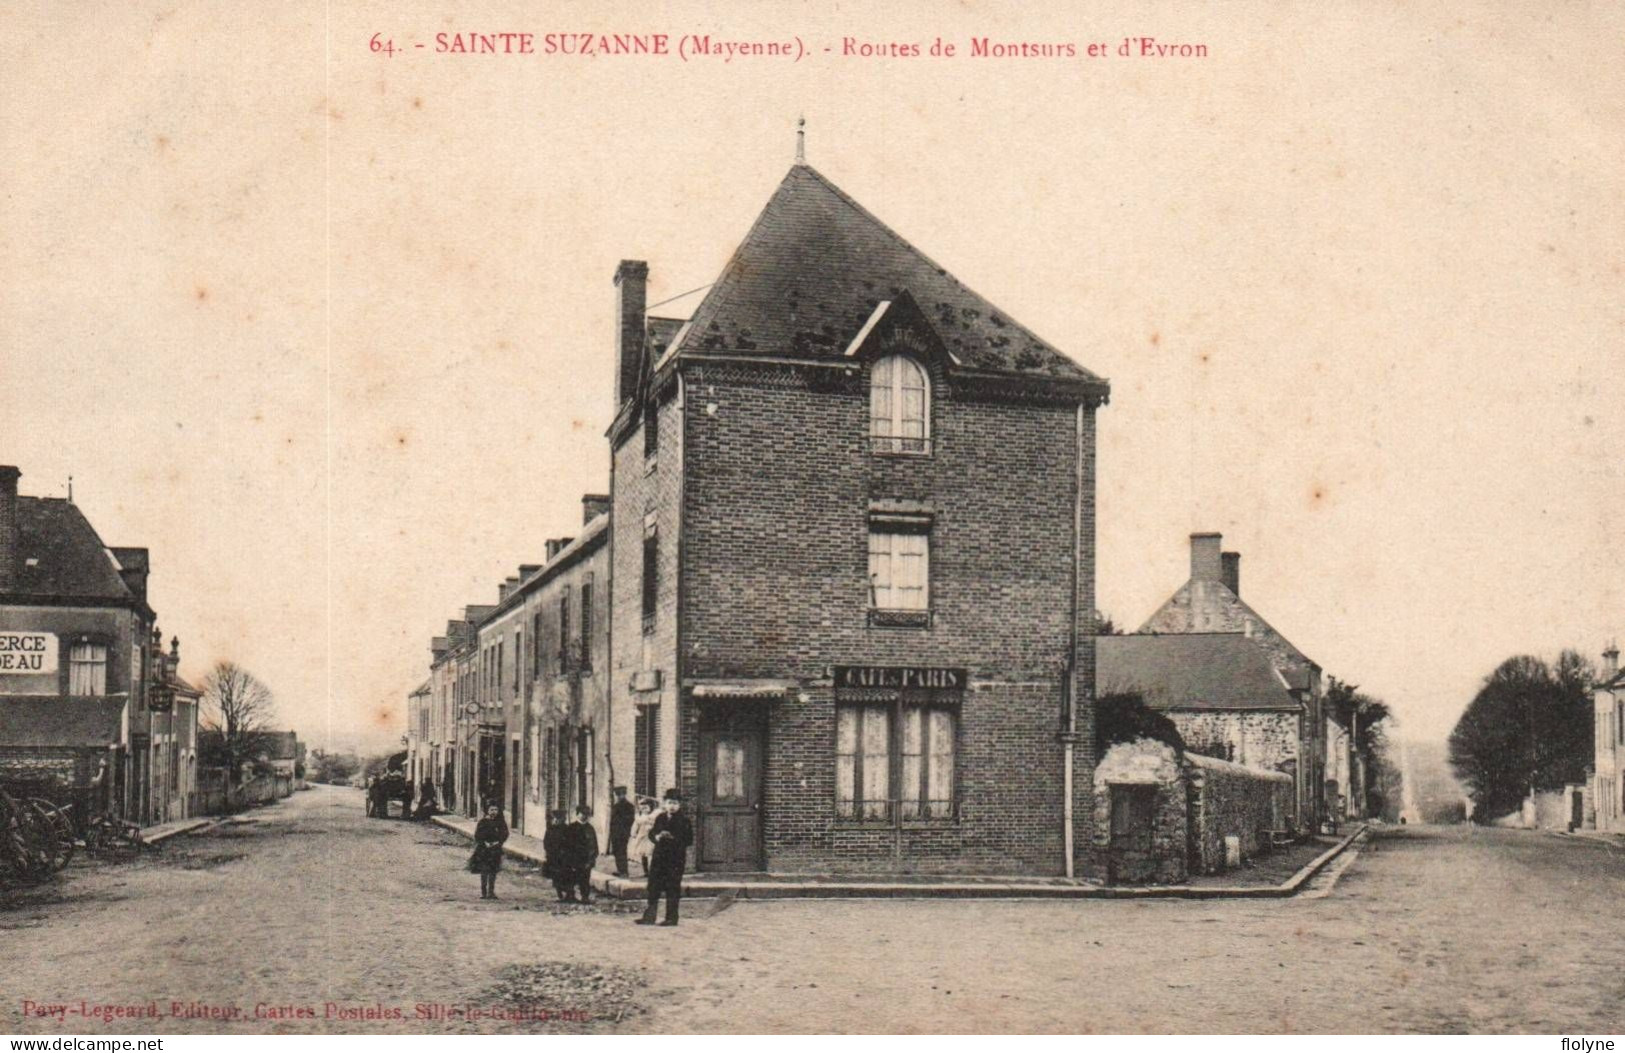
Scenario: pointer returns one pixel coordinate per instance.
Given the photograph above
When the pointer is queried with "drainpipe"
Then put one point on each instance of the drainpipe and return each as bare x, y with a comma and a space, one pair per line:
1068, 738
1069, 731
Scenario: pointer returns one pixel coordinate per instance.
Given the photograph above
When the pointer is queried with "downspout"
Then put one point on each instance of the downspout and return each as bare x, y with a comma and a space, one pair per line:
1069, 734
608, 604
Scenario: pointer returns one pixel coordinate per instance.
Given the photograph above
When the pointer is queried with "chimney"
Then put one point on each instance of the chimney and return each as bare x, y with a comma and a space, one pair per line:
557, 545
133, 566
631, 294
9, 530
1230, 571
1205, 560
1610, 662
593, 506
528, 570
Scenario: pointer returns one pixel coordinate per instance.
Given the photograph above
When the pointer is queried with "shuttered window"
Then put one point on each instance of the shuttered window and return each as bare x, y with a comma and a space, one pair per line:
900, 571
899, 406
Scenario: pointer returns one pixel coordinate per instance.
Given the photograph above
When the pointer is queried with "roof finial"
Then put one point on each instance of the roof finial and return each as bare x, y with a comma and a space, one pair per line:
801, 140
70, 488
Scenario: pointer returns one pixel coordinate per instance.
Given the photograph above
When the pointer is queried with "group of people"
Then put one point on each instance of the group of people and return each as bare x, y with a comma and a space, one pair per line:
659, 839
571, 852
382, 789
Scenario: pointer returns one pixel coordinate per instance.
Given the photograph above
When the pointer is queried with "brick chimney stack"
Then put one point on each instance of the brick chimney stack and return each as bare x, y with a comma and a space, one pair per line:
593, 506
1230, 567
9, 474
1206, 563
631, 296
1610, 661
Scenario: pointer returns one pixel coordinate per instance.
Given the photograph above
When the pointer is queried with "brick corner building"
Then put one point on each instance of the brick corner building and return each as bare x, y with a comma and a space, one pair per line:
852, 561
92, 709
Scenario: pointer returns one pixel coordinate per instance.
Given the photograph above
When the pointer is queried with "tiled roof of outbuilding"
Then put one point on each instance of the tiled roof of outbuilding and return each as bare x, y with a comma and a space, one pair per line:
62, 721
814, 267
1191, 671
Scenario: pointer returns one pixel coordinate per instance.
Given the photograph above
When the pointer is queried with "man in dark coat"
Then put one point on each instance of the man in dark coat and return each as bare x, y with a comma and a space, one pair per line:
556, 856
582, 848
621, 817
672, 834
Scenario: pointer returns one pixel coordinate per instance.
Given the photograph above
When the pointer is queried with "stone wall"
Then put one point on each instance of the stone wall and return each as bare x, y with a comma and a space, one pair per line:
1269, 741
1228, 800
1160, 857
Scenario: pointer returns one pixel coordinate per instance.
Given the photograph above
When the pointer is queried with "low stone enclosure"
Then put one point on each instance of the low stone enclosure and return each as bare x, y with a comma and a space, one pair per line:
1162, 815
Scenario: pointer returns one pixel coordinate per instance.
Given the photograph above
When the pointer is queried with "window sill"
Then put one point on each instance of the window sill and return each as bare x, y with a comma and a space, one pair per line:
890, 446
847, 823
882, 618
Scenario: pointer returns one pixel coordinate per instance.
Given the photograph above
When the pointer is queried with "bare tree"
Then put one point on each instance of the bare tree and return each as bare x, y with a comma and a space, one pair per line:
238, 708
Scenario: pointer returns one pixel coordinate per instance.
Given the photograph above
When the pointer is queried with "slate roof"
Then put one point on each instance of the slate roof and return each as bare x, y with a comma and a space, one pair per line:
814, 267
58, 720
60, 555
1223, 671
279, 745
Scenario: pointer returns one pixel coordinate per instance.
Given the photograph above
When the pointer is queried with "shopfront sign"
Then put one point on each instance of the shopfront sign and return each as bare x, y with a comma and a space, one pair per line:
900, 676
27, 652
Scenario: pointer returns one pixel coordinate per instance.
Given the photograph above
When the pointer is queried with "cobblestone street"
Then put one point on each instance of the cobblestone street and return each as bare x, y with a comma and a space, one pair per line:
309, 903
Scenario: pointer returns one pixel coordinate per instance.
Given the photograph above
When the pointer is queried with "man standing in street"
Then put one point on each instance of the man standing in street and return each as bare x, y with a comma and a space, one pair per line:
672, 834
582, 853
621, 816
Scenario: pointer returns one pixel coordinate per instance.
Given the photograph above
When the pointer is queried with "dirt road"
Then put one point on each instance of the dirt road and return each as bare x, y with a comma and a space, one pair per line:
333, 922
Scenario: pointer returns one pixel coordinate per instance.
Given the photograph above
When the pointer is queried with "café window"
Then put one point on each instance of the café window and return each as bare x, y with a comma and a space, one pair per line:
894, 761
899, 406
87, 669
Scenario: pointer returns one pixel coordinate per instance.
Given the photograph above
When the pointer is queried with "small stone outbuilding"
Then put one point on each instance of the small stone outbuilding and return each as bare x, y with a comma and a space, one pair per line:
1162, 815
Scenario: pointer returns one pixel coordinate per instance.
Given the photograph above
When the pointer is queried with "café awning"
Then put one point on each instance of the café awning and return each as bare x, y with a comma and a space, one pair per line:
735, 690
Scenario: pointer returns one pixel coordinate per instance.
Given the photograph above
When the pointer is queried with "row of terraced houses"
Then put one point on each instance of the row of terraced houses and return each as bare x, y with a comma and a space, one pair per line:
841, 590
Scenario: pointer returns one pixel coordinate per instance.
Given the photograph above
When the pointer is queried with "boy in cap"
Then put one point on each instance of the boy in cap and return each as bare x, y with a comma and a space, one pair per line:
582, 853
621, 816
671, 834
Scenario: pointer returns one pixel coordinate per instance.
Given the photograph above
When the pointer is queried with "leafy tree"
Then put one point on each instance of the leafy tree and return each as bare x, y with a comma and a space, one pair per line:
1124, 717
1368, 719
1527, 729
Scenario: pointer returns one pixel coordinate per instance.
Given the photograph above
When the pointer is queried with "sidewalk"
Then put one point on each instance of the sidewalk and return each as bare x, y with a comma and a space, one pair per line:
826, 886
151, 835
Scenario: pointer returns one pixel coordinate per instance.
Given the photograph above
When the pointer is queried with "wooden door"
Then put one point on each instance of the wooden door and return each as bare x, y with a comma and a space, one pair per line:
730, 798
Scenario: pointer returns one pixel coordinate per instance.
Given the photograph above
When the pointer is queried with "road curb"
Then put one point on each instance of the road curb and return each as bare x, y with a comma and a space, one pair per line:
702, 887
1293, 884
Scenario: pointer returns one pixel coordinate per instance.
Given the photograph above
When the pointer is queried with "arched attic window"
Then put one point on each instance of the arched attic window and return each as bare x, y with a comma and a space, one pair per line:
900, 406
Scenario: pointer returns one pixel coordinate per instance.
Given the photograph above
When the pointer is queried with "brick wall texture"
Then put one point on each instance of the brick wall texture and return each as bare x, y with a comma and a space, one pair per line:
760, 492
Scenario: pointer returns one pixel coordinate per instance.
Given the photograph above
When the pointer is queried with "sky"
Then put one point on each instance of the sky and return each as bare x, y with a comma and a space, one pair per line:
330, 330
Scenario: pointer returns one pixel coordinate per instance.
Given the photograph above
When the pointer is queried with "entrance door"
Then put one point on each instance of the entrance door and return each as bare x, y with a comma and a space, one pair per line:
730, 800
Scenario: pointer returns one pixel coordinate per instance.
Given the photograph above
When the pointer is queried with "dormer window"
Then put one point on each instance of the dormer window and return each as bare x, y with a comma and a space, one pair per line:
900, 406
